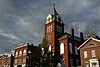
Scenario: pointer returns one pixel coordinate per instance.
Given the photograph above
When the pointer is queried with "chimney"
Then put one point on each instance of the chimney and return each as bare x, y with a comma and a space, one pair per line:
81, 36
72, 32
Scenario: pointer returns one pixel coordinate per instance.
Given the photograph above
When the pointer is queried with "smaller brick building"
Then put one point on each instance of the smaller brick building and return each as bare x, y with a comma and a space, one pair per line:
90, 52
23, 55
6, 60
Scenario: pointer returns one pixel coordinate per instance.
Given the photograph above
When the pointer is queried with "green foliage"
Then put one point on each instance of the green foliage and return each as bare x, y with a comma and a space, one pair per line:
43, 56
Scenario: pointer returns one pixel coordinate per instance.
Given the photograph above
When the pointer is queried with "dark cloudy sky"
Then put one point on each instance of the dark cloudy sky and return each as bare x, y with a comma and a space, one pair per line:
23, 21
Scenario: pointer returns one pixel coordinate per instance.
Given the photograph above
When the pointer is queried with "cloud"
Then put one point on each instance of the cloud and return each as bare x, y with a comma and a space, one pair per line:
23, 21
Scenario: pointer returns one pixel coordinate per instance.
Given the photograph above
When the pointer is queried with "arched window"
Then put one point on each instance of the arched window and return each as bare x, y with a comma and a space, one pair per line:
24, 52
70, 48
16, 54
62, 48
20, 53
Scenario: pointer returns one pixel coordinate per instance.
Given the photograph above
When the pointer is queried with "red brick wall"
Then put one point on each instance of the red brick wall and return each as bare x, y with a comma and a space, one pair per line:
65, 55
88, 48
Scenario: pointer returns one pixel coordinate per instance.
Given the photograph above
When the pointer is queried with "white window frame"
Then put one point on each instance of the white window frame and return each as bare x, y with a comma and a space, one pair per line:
70, 48
62, 48
24, 52
16, 54
85, 54
20, 53
93, 53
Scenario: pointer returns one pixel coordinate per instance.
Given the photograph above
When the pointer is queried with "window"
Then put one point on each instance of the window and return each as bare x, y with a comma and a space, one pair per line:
24, 52
59, 29
62, 48
49, 29
49, 38
91, 44
86, 64
50, 48
15, 61
70, 48
16, 54
77, 62
76, 51
93, 53
71, 63
24, 59
85, 54
20, 53
19, 60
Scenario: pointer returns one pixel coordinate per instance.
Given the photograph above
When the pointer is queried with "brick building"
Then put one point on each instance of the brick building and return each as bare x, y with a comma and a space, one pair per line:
63, 45
90, 52
6, 60
23, 55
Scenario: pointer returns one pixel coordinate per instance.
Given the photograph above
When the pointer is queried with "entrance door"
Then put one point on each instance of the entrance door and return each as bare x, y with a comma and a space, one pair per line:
19, 65
94, 64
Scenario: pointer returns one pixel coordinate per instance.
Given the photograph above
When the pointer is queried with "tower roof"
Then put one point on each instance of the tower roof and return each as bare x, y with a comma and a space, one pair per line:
53, 12
53, 15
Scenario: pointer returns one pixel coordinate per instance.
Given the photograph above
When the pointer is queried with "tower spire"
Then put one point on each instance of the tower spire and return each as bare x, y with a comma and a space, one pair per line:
54, 10
54, 4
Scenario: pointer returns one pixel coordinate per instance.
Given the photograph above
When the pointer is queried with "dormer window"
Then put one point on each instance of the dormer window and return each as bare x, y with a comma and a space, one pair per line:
49, 19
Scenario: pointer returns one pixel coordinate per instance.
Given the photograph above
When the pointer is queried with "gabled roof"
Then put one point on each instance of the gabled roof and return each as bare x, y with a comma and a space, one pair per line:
87, 41
67, 35
91, 35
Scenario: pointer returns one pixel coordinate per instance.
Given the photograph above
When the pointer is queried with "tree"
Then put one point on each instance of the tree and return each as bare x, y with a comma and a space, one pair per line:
44, 57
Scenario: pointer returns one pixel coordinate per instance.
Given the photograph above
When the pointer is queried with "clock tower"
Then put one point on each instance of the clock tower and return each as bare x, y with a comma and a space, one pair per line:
54, 29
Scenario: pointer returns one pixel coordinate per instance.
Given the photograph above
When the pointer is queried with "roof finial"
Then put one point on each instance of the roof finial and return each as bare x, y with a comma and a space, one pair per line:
53, 3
